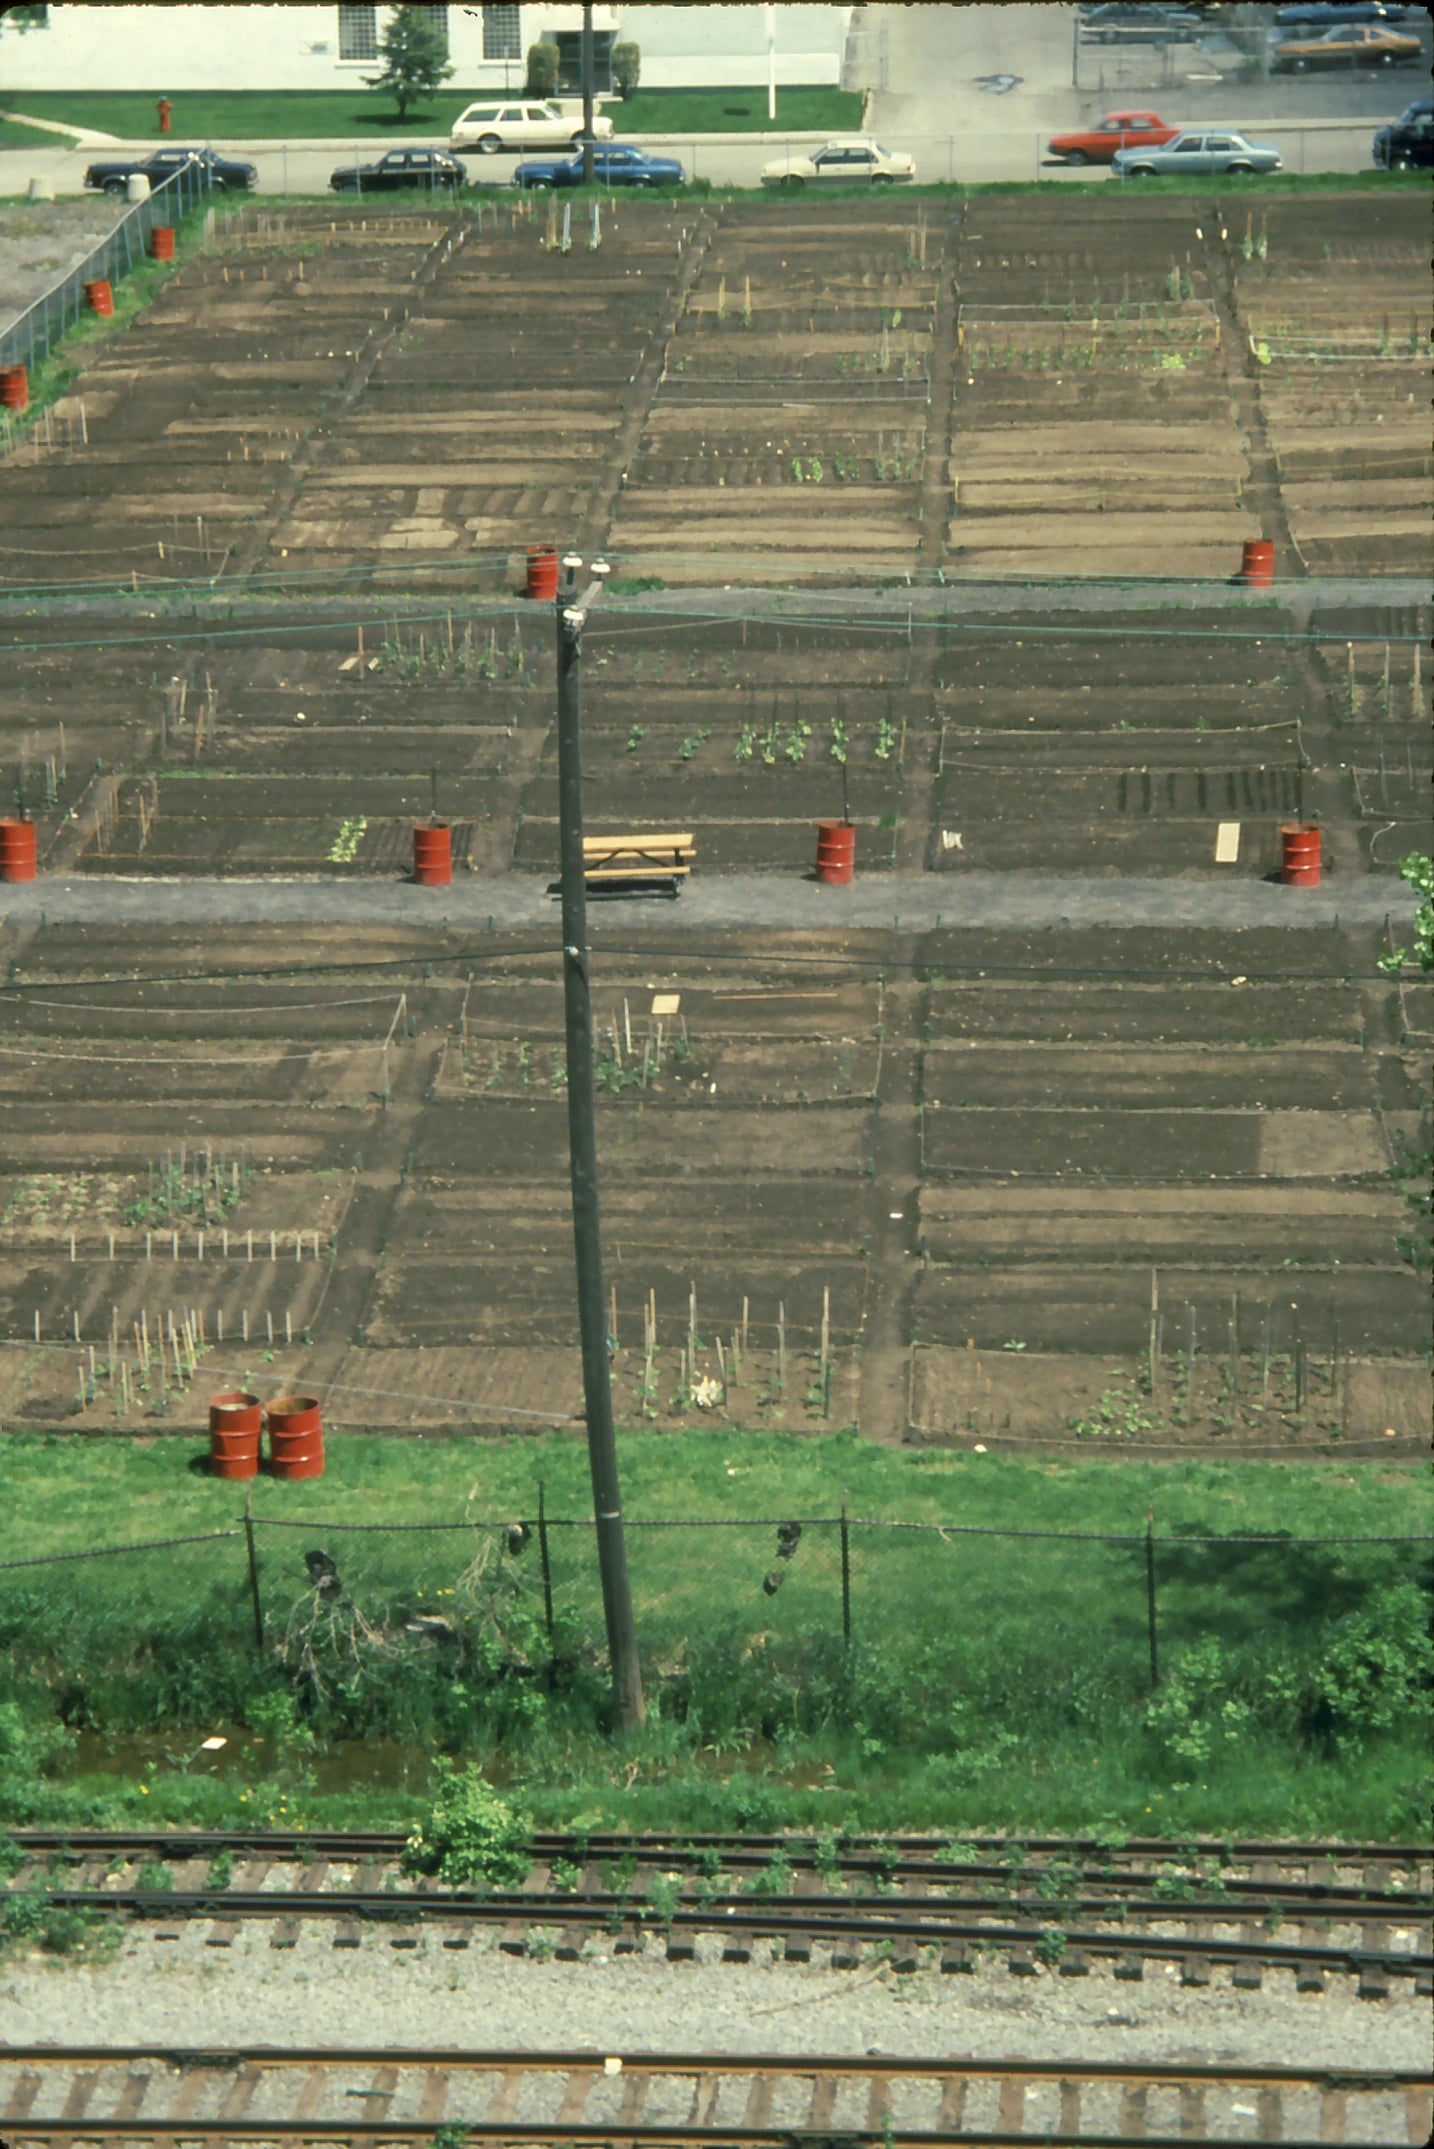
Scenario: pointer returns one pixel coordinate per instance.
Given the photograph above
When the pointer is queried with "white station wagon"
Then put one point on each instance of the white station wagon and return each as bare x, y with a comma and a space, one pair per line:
522, 125
853, 160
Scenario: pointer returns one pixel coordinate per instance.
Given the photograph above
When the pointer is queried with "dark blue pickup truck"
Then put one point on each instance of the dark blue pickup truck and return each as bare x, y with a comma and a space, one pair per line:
615, 164
113, 175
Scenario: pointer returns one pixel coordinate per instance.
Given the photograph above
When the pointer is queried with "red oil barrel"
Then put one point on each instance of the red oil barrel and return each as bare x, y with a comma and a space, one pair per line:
17, 850
161, 242
836, 852
542, 572
100, 296
296, 1436
1258, 564
1300, 855
432, 854
235, 1419
15, 389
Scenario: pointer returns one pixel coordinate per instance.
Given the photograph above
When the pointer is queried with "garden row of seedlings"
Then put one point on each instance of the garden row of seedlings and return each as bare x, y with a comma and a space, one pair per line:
1064, 1909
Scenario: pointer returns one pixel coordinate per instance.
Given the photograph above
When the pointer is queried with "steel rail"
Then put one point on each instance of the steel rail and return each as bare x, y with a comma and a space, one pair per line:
235, 2074
560, 1843
810, 1916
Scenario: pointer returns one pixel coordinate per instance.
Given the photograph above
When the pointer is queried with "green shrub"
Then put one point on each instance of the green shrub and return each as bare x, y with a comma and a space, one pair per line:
1376, 1669
626, 67
1196, 1712
542, 71
471, 1837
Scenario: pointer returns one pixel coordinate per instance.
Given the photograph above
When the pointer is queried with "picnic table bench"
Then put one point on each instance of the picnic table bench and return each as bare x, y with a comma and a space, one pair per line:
650, 861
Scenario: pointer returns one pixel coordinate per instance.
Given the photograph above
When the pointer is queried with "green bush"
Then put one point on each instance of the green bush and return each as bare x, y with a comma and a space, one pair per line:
1375, 1672
626, 67
471, 1837
542, 70
1196, 1712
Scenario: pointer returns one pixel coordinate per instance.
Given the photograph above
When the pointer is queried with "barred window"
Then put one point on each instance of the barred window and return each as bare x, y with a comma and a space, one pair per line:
358, 33
438, 19
502, 35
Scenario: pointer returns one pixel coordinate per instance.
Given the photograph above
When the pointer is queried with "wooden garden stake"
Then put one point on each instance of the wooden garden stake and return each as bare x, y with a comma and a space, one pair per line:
1234, 1345
627, 1028
612, 1316
124, 1385
692, 1326
1190, 1364
1153, 1352
744, 1324
781, 1348
722, 1370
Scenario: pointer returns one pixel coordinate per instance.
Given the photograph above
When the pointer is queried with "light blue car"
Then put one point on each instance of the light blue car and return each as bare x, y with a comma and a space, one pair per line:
1200, 151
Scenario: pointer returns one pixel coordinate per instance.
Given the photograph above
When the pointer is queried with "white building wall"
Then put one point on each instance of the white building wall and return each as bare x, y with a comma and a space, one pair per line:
255, 47
270, 45
711, 47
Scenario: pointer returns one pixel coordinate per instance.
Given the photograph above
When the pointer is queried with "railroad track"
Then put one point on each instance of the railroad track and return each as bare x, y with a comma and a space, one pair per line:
1311, 1910
151, 2095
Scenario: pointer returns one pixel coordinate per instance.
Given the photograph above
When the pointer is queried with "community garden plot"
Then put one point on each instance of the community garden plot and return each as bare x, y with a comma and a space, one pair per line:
1380, 732
1090, 429
239, 370
791, 416
1336, 314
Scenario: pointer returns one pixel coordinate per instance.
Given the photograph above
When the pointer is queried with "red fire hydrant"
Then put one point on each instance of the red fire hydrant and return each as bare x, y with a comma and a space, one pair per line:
163, 109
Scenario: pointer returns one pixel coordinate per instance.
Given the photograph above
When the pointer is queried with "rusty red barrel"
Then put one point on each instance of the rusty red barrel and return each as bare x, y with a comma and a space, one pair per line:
1258, 564
542, 572
161, 242
235, 1421
1300, 855
432, 854
296, 1436
836, 852
17, 850
15, 389
100, 296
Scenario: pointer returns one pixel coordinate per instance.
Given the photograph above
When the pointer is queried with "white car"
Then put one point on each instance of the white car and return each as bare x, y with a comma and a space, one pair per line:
852, 160
522, 124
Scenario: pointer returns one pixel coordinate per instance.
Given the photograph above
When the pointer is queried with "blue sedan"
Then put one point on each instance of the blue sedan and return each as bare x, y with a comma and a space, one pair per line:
615, 164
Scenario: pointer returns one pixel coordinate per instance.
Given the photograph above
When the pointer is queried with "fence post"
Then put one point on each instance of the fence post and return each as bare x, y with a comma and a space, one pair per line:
253, 1566
1150, 1595
547, 1569
845, 1574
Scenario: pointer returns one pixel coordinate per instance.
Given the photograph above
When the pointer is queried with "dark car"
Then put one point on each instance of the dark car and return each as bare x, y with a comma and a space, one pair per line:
1407, 143
1348, 44
427, 168
615, 164
113, 175
1133, 22
1325, 14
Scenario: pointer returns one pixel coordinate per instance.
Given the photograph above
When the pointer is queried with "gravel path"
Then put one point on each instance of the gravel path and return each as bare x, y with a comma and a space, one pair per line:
39, 241
712, 899
185, 1993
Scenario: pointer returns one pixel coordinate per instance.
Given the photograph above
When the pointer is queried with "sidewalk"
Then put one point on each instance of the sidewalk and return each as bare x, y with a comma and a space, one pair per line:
880, 902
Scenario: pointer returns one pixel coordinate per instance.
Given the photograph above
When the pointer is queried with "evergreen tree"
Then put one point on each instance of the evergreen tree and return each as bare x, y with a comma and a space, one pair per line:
415, 59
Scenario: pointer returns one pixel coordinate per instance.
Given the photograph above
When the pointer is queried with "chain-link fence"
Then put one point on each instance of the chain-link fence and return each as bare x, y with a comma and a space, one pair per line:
905, 1633
28, 340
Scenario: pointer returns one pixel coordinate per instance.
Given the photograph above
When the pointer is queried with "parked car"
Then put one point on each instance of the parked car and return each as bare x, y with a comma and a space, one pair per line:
1135, 22
1321, 14
522, 124
615, 164
851, 160
1199, 151
1118, 130
429, 168
1407, 142
113, 175
1352, 44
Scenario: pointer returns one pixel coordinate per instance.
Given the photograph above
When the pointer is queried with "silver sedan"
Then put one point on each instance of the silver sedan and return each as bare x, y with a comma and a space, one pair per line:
1199, 151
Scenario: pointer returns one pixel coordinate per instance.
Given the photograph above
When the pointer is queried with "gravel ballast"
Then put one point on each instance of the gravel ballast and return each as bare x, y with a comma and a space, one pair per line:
185, 1993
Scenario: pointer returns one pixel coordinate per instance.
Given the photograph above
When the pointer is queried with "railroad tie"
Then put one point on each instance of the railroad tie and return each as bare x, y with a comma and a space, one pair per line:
1195, 1969
572, 1941
1247, 1976
846, 1955
1309, 1973
1373, 1982
222, 1933
736, 1947
1075, 1962
1023, 1961
348, 1933
285, 1933
797, 1946
681, 1945
956, 1956
1130, 1967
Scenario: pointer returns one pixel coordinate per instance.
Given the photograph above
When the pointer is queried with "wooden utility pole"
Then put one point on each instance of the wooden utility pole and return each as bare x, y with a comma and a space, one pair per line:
572, 612
587, 63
